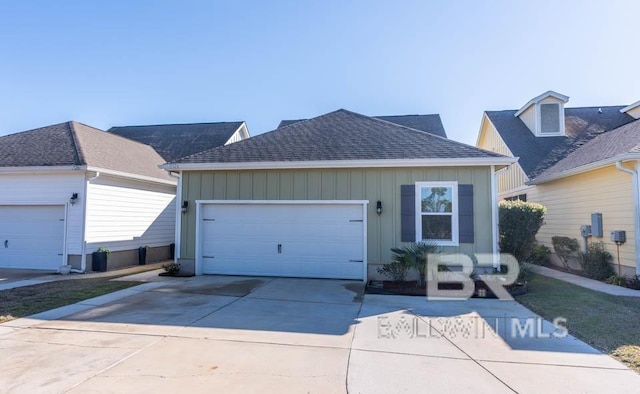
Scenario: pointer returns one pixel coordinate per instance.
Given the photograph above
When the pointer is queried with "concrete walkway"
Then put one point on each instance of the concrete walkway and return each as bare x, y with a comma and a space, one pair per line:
281, 335
586, 282
12, 278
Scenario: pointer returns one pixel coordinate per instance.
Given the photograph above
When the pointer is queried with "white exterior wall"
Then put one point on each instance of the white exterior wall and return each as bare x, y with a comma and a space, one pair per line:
49, 189
126, 214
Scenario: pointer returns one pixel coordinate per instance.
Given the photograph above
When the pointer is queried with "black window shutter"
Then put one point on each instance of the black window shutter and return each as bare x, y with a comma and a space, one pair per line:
465, 214
408, 213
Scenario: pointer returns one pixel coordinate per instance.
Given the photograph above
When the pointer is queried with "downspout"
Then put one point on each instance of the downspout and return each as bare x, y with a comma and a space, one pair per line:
83, 253
178, 228
494, 215
636, 208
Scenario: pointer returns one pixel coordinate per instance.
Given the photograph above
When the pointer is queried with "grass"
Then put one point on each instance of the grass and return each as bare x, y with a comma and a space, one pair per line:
28, 300
608, 323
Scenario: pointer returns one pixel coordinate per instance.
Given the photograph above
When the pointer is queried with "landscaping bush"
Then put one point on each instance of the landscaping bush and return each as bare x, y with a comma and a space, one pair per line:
618, 280
519, 224
396, 271
565, 248
412, 256
540, 255
596, 263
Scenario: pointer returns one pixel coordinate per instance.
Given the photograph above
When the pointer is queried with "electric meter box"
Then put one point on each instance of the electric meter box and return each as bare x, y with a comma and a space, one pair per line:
619, 236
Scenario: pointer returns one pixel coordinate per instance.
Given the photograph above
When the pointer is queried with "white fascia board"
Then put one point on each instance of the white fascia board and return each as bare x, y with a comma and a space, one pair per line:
137, 177
459, 162
38, 169
587, 167
630, 107
283, 202
537, 99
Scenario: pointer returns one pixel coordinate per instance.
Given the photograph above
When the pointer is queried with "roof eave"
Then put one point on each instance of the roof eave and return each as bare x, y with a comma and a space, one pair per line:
37, 169
121, 174
584, 168
499, 162
630, 107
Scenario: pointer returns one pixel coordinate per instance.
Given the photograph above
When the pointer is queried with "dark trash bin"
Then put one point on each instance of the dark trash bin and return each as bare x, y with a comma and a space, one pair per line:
99, 261
172, 251
142, 255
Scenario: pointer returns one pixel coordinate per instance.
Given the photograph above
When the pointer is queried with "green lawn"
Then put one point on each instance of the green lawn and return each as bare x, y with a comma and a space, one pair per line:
608, 323
25, 301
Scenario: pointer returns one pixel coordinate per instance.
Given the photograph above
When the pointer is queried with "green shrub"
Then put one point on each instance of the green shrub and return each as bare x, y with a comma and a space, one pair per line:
596, 263
618, 280
540, 255
565, 248
395, 271
519, 224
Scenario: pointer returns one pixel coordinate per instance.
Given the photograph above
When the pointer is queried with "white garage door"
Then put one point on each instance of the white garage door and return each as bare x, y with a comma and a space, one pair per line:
300, 240
31, 236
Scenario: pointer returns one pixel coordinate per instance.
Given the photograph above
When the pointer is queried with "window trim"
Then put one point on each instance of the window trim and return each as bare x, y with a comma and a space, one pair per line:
454, 212
560, 131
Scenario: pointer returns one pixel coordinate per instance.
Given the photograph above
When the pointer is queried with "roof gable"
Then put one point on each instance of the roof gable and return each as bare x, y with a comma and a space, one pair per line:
537, 99
173, 141
339, 136
428, 123
537, 154
45, 146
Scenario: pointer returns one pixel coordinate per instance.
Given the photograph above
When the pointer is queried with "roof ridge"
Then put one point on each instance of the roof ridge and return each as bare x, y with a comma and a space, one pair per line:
76, 144
179, 124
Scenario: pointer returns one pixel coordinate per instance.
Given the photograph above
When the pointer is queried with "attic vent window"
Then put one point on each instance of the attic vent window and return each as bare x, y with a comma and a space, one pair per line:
550, 118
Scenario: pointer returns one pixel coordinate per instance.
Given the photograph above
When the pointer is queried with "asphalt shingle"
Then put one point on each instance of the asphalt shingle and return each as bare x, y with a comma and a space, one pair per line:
73, 143
624, 139
339, 135
173, 141
540, 153
429, 123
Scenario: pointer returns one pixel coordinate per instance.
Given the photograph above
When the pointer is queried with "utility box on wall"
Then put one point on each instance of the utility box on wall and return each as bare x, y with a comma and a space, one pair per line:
619, 236
596, 225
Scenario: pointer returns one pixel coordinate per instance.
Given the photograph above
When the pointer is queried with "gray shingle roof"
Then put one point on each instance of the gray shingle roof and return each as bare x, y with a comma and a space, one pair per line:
539, 153
339, 135
624, 139
73, 143
429, 123
173, 141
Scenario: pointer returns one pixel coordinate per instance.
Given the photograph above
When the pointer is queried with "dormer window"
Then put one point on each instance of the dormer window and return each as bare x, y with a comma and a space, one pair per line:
550, 118
544, 114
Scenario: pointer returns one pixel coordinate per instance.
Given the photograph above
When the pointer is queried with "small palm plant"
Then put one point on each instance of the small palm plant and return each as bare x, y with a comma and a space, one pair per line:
414, 256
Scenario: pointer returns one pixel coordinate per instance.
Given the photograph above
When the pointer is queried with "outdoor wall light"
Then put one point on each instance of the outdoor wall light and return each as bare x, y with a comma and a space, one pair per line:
185, 206
379, 208
74, 199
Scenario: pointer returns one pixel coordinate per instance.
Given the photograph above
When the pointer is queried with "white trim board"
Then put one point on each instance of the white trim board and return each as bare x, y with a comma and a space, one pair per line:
459, 162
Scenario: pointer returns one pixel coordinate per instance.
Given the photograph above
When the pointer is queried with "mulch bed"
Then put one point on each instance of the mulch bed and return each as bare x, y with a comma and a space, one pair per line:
410, 288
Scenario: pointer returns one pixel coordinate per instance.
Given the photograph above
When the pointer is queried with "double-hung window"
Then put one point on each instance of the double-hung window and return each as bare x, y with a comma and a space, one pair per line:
437, 212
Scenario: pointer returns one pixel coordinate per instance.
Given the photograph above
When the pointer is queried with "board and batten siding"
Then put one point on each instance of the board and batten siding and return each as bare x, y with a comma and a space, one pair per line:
374, 185
511, 178
126, 214
49, 189
571, 201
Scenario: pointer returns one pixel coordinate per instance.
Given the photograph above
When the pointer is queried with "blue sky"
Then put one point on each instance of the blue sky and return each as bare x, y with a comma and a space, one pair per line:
108, 63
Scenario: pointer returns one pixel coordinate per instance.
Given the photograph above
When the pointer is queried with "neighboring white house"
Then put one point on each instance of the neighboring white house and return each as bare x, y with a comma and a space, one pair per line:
67, 189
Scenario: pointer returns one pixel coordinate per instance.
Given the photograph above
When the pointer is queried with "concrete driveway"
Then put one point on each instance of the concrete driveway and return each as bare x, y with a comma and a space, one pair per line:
239, 334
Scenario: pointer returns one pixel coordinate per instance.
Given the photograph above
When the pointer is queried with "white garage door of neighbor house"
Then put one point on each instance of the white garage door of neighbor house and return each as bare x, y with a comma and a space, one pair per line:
31, 236
299, 240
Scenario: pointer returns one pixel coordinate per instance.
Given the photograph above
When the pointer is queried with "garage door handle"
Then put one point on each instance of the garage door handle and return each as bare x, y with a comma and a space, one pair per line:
6, 243
279, 248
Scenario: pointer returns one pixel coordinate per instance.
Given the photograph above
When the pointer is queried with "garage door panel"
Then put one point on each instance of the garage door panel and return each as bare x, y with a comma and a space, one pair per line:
31, 236
317, 240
